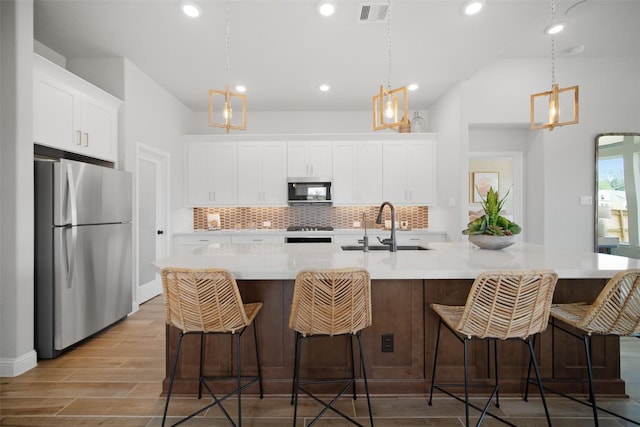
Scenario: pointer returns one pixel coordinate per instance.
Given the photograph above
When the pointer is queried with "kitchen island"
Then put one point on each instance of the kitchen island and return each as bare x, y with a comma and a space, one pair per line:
403, 285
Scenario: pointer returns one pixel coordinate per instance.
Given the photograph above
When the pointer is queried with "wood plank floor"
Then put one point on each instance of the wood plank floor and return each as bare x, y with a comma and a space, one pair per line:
114, 379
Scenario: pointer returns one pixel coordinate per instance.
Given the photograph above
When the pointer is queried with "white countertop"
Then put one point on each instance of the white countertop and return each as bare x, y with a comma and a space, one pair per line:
444, 260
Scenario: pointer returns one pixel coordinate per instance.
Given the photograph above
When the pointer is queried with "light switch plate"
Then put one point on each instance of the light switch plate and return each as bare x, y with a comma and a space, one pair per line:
586, 200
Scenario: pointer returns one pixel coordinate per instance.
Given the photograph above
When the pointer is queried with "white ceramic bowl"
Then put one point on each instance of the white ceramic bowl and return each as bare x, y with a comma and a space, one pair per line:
486, 241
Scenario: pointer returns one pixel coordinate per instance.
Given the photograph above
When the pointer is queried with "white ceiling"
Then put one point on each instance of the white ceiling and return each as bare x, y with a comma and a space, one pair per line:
283, 50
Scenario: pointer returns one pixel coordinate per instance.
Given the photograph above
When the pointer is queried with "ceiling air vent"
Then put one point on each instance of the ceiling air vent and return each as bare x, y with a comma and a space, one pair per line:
372, 13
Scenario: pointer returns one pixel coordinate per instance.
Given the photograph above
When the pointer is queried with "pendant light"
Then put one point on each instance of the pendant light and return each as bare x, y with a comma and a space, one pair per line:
387, 102
552, 106
223, 103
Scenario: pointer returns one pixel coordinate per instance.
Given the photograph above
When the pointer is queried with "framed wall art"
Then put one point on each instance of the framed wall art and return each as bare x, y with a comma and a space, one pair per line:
482, 181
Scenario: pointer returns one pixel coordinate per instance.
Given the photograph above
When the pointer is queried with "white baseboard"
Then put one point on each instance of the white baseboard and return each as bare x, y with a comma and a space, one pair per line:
18, 365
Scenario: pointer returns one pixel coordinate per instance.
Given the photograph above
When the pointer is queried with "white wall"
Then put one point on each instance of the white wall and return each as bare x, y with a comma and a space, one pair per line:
17, 353
154, 117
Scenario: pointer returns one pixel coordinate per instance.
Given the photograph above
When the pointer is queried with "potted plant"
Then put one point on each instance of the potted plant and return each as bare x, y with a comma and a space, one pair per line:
491, 230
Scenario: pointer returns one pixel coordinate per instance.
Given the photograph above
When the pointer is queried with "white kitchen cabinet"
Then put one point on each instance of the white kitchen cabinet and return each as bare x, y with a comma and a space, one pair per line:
187, 244
409, 172
211, 173
71, 114
262, 173
357, 172
309, 158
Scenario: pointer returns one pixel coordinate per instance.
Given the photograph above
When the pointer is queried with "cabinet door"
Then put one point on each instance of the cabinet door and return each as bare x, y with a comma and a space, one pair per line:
394, 172
344, 174
368, 164
319, 157
274, 173
309, 158
297, 159
55, 114
99, 129
249, 174
198, 185
223, 173
421, 180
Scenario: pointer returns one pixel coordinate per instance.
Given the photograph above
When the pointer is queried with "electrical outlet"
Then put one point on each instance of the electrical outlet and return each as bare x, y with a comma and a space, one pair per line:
387, 343
266, 224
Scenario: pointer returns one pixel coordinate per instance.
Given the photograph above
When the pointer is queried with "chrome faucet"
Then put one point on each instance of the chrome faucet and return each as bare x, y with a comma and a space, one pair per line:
365, 239
393, 245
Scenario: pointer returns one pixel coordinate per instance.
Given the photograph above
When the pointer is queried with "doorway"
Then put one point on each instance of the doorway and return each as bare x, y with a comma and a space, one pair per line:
507, 167
152, 207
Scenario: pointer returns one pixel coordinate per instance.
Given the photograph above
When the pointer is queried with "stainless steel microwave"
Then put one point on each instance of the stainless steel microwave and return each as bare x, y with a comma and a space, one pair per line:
309, 190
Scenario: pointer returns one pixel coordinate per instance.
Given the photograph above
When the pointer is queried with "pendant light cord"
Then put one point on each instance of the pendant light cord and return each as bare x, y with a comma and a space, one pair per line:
227, 44
389, 46
553, 45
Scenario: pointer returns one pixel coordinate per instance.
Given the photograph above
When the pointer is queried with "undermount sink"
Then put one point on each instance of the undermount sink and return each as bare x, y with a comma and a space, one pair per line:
384, 248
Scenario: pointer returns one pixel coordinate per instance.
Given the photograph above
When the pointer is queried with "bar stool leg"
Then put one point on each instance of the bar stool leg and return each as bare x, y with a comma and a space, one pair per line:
364, 376
296, 378
495, 367
201, 370
353, 365
592, 395
466, 383
539, 380
526, 389
173, 375
255, 339
435, 363
238, 369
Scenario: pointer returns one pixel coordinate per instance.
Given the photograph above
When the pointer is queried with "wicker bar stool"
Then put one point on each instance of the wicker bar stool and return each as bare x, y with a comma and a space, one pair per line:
205, 302
501, 305
615, 312
330, 303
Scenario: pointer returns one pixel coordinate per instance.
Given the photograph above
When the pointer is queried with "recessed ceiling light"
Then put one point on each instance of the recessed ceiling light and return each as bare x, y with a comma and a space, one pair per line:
327, 7
472, 7
555, 28
190, 9
413, 86
324, 88
241, 88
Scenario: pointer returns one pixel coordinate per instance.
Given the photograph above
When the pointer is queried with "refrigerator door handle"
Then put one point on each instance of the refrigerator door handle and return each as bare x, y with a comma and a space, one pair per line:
71, 252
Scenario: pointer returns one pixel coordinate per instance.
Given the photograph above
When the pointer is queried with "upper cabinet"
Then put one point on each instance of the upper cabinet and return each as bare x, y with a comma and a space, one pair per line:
71, 114
357, 172
262, 173
211, 170
309, 158
365, 171
409, 172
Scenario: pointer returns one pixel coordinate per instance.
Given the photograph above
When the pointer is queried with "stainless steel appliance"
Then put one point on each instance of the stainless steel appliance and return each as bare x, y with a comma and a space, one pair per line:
309, 234
309, 190
83, 251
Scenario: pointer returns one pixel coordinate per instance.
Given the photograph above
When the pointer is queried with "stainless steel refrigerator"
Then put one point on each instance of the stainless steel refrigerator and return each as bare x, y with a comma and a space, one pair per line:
83, 251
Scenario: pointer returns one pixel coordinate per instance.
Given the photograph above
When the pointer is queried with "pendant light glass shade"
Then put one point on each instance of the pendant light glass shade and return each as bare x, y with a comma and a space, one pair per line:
222, 105
385, 108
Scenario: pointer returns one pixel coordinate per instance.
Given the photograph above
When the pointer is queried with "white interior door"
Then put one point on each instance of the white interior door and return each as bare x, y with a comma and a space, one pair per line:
152, 232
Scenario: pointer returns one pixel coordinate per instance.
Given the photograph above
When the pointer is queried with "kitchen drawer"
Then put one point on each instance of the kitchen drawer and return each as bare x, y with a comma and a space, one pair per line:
257, 239
186, 244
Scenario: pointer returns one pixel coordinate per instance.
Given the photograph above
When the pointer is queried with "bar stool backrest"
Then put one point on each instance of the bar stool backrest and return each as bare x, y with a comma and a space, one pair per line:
331, 302
508, 304
616, 311
202, 300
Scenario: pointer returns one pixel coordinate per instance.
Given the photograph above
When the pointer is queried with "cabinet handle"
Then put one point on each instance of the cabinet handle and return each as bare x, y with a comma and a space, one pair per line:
79, 141
86, 139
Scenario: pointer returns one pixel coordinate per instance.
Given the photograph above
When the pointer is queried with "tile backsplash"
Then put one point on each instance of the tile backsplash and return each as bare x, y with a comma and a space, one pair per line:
338, 217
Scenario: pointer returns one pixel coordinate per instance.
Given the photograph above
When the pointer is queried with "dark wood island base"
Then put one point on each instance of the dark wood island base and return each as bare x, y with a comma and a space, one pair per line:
401, 308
